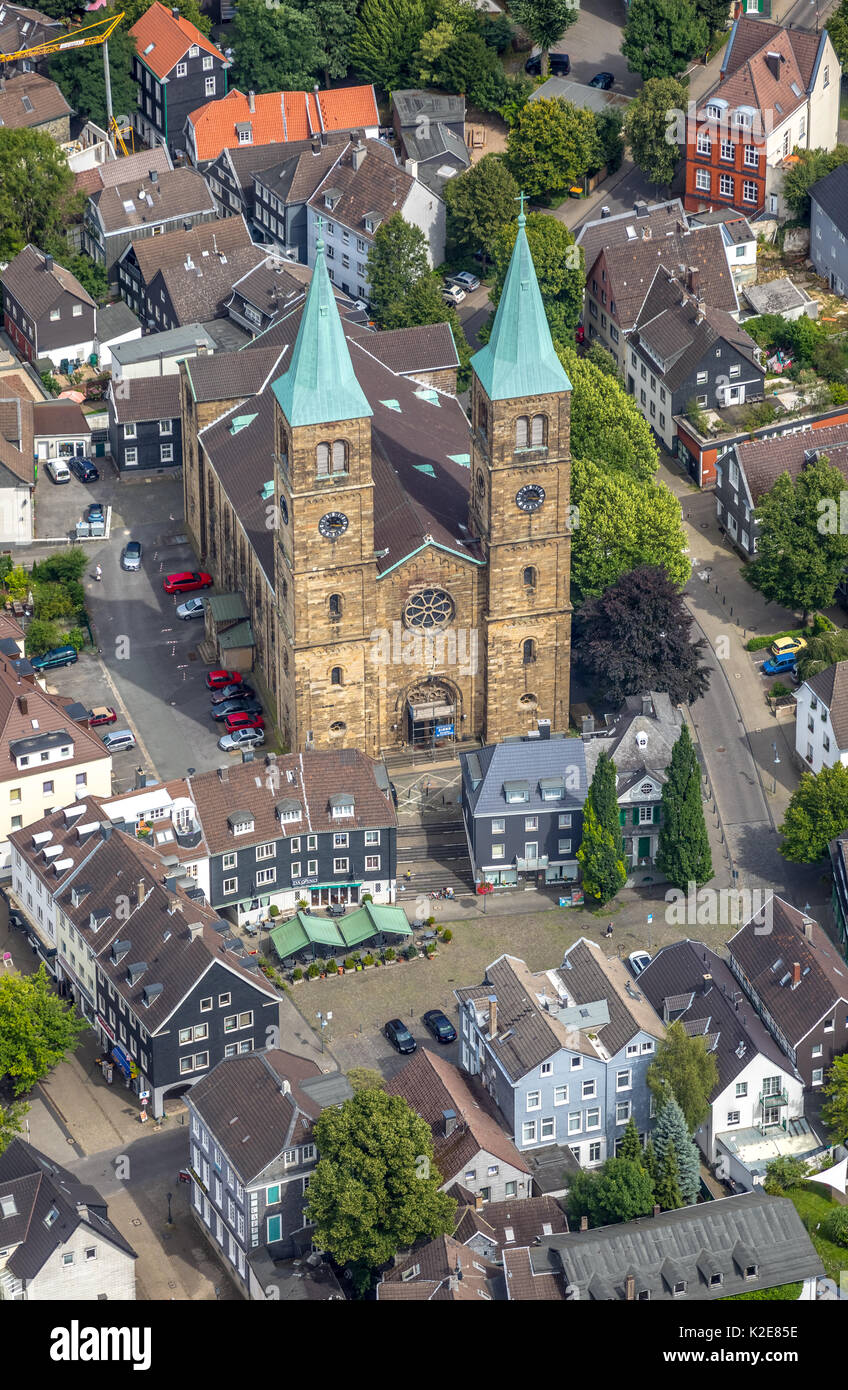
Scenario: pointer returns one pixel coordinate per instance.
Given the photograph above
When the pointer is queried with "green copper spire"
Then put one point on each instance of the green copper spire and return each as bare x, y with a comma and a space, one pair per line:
320, 385
519, 358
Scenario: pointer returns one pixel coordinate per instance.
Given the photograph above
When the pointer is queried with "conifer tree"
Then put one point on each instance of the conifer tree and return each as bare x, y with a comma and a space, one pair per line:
667, 1188
631, 1146
599, 856
683, 850
671, 1129
650, 1160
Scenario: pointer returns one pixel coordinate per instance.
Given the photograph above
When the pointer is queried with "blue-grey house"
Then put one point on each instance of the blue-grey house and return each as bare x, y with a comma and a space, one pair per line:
564, 1053
829, 228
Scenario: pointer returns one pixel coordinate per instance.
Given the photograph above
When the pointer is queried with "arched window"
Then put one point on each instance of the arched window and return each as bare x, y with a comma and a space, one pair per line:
284, 589
530, 577
336, 676
483, 419
339, 727
528, 651
334, 605
322, 460
522, 432
339, 456
539, 430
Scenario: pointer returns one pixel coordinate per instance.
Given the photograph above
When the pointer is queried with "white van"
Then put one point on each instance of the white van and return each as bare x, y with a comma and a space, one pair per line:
59, 470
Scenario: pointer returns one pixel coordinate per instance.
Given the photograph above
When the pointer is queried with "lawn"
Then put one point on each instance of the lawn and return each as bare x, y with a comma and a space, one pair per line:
813, 1207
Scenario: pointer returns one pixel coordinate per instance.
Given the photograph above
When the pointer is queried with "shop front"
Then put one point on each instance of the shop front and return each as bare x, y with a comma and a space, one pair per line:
334, 894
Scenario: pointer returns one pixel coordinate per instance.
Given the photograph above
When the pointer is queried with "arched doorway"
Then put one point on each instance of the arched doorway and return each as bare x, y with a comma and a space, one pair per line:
431, 713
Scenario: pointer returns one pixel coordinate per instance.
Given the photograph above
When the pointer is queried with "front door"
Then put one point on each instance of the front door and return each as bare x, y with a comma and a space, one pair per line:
644, 846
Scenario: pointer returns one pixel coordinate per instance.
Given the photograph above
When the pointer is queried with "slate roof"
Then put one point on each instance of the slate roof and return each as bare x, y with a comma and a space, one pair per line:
679, 331
37, 1187
632, 267
511, 1223
274, 286
224, 376
251, 1118
177, 193
297, 175
431, 1085
202, 289
831, 194
675, 978
114, 320
411, 350
280, 116
24, 28
591, 977
686, 1246
246, 160
38, 289
147, 398
163, 344
761, 461
133, 166
766, 959
660, 727
445, 1271
737, 229
831, 686
31, 100
775, 296
412, 103
378, 188
525, 760
627, 227
227, 235
169, 38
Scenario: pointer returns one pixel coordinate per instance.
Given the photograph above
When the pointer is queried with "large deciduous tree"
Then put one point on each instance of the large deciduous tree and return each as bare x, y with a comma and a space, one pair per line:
551, 144
274, 49
396, 260
189, 9
559, 269
816, 814
335, 22
802, 548
545, 21
623, 1191
683, 851
385, 45
661, 36
837, 28
636, 637
37, 1029
623, 522
671, 1128
606, 424
11, 1121
810, 166
655, 117
823, 649
600, 855
37, 198
835, 1111
479, 203
686, 1071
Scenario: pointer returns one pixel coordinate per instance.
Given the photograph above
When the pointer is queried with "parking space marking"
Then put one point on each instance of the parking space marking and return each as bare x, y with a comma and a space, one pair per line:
107, 676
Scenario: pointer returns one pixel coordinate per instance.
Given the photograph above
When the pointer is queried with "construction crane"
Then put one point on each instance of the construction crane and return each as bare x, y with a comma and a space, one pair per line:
86, 36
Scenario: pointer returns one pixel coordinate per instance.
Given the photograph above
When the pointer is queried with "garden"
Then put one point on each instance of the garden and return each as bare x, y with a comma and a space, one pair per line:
53, 593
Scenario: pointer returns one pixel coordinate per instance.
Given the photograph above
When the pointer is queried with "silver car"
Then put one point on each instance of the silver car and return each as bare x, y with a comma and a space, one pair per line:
131, 556
241, 738
119, 739
192, 608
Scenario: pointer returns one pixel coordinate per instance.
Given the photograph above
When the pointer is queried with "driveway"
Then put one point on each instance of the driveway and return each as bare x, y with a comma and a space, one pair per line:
594, 45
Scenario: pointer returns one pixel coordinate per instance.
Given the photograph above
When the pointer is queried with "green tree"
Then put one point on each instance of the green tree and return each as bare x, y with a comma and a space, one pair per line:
396, 260
91, 276
835, 1111
63, 566
606, 424
335, 21
661, 36
631, 1144
664, 658
816, 814
602, 793
671, 1128
811, 166
609, 125
42, 637
559, 269
37, 1029
783, 1173
385, 45
623, 523
274, 48
37, 197
600, 854
16, 582
837, 28
651, 118
715, 14
52, 601
801, 552
79, 73
464, 61
683, 851
650, 1162
579, 1201
189, 9
425, 303
365, 1079
375, 1189
11, 1121
667, 1191
623, 1191
545, 21
685, 1070
479, 202
496, 30
551, 144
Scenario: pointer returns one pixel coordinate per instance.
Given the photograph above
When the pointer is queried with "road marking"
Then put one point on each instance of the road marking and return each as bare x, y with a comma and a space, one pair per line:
107, 675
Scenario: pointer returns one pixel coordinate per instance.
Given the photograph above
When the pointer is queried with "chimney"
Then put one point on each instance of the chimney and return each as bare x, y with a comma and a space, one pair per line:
449, 1117
630, 1288
693, 280
640, 209
647, 705
2, 84
286, 1087
194, 930
544, 727
22, 704
175, 12
154, 177
646, 234
357, 156
796, 974
708, 979
808, 922
773, 62
140, 891
588, 724
316, 145
48, 262
493, 1015
251, 102
139, 779
223, 774
584, 1223
656, 1210
478, 1202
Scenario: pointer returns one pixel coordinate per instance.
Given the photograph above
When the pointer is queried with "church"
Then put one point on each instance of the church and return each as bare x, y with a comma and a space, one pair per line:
405, 575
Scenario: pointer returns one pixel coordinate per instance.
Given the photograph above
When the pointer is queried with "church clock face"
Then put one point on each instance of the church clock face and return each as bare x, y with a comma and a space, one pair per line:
333, 525
530, 497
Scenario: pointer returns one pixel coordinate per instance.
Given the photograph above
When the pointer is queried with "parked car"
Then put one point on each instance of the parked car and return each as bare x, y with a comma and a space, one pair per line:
453, 294
775, 664
559, 65
399, 1035
101, 714
232, 692
217, 680
84, 469
59, 470
192, 608
95, 512
440, 1026
638, 961
604, 80
242, 720
241, 738
787, 644
235, 707
131, 556
120, 739
57, 656
467, 281
185, 581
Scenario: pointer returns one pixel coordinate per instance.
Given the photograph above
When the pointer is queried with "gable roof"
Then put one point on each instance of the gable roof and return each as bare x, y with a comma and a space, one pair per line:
279, 117
163, 39
31, 100
146, 398
527, 1034
444, 1270
131, 166
766, 961
831, 195
26, 710
679, 330
589, 977
199, 289
530, 760
762, 461
631, 268
223, 236
408, 351
37, 288
295, 177
744, 64
376, 190
511, 1223
143, 203
831, 686
627, 228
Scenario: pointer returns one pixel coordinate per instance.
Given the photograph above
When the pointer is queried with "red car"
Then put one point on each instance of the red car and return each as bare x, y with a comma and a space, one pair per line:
216, 680
184, 582
243, 721
101, 714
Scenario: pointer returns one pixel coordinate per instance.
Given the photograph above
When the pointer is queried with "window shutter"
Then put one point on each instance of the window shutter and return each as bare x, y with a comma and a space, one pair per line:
656, 815
622, 817
635, 815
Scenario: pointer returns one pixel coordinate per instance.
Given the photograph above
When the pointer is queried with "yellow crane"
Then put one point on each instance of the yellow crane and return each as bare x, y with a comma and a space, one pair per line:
86, 36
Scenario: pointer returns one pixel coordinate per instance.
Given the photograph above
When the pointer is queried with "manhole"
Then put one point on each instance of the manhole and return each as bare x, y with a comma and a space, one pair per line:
721, 750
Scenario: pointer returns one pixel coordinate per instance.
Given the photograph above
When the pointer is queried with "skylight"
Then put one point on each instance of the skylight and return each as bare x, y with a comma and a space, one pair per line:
431, 397
241, 422
463, 459
150, 47
425, 468
392, 405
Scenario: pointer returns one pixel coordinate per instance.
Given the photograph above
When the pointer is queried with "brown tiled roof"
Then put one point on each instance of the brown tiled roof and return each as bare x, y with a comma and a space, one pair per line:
765, 959
831, 686
524, 1285
200, 292
227, 376
16, 432
35, 287
147, 398
133, 166
748, 79
527, 1034
512, 1223
24, 28
446, 1272
274, 286
379, 187
431, 1085
178, 193
763, 460
44, 101
591, 978
631, 269
43, 715
200, 242
59, 417
680, 331
410, 350
296, 178
627, 228
16, 384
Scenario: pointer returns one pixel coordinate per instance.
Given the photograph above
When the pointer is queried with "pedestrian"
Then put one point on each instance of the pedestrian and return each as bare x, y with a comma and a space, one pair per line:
408, 875
98, 573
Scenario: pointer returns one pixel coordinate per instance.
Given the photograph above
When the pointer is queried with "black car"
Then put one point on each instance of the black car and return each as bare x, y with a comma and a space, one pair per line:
84, 469
604, 80
235, 707
559, 65
232, 692
398, 1033
440, 1026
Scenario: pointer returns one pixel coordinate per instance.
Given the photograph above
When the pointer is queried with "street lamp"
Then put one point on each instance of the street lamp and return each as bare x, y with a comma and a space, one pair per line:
774, 774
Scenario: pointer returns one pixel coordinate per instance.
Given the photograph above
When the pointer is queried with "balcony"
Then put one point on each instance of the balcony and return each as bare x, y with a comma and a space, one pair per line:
529, 864
778, 1098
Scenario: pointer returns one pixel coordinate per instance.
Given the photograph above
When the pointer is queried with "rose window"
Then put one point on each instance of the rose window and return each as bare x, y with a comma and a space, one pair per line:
430, 608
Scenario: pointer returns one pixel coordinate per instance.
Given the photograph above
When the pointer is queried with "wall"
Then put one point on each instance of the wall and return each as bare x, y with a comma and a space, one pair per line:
35, 802
425, 209
111, 1273
15, 513
828, 249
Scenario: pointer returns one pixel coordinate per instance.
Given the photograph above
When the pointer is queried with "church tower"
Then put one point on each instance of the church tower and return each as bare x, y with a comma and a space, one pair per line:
520, 507
324, 565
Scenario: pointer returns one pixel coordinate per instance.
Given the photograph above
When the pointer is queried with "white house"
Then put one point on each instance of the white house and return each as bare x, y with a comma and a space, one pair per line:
821, 719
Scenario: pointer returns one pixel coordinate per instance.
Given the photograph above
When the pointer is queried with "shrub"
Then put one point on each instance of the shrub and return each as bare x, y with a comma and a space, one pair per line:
821, 623
76, 638
274, 911
430, 921
17, 582
779, 689
786, 1293
839, 393
367, 898
696, 416
389, 953
835, 1226
756, 644
41, 636
62, 567
783, 1173
447, 934
411, 952
368, 959
297, 973
350, 963
312, 970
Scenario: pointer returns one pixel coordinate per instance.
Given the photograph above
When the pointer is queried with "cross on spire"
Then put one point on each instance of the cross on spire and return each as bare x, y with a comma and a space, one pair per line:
319, 240
520, 199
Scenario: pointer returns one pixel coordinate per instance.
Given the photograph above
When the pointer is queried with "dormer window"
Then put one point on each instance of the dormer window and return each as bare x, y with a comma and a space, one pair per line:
750, 1271
679, 1288
240, 822
341, 806
715, 1281
516, 792
193, 51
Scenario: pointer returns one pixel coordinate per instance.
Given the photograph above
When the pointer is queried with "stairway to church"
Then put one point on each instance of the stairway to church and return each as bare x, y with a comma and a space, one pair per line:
436, 855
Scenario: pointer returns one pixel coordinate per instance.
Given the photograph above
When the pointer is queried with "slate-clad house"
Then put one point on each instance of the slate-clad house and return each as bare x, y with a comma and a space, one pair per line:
798, 984
145, 423
149, 205
197, 289
252, 1150
282, 190
829, 228
143, 258
563, 1053
169, 991
230, 176
263, 294
821, 719
46, 311
838, 850
57, 1243
710, 1251
177, 68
